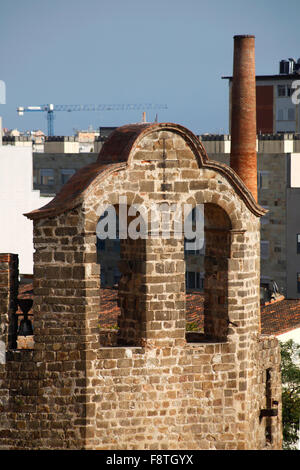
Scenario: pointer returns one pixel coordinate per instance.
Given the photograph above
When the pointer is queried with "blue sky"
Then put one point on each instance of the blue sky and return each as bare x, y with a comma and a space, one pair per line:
135, 51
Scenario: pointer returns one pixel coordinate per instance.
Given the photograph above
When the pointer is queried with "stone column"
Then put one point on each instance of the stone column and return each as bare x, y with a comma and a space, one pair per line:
152, 292
66, 310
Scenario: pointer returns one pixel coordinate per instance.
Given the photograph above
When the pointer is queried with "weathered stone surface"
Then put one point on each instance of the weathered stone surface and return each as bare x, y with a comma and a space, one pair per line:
144, 386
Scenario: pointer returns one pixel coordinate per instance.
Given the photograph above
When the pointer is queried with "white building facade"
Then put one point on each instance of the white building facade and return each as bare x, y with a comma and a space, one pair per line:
16, 198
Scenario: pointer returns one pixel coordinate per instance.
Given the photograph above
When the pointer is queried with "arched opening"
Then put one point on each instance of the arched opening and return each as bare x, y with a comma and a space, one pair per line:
207, 277
108, 255
121, 260
108, 259
135, 272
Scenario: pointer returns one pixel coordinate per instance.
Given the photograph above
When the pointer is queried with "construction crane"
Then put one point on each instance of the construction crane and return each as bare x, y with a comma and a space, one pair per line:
51, 108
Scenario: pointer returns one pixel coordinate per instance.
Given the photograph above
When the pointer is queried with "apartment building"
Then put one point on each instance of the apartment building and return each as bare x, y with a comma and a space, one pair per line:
277, 99
16, 197
278, 162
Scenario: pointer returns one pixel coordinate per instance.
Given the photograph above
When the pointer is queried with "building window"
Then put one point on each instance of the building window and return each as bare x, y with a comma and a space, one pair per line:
195, 245
280, 115
46, 176
116, 246
286, 114
190, 280
35, 176
291, 114
102, 278
281, 90
66, 174
264, 249
100, 244
117, 276
263, 179
298, 243
298, 283
265, 218
194, 280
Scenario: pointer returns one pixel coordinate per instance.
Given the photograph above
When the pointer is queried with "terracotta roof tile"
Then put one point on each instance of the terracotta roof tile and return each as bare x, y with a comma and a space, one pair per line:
276, 318
119, 144
75, 186
280, 317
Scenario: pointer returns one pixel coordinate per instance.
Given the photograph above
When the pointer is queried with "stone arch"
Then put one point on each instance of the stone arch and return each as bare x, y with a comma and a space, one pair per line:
231, 256
186, 135
118, 172
133, 266
117, 155
217, 253
213, 265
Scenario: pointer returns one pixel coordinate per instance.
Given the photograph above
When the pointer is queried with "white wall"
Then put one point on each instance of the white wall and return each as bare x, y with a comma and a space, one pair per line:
17, 198
294, 335
295, 170
61, 147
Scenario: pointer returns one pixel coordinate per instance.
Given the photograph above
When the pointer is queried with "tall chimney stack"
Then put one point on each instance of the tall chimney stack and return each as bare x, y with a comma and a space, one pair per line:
243, 158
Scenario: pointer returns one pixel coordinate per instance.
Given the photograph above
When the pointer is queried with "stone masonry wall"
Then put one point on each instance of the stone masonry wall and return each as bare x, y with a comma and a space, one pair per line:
8, 299
8, 296
269, 433
152, 390
179, 398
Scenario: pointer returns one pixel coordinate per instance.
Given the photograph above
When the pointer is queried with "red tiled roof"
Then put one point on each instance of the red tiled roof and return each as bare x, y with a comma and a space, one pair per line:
195, 308
118, 146
280, 317
109, 309
276, 318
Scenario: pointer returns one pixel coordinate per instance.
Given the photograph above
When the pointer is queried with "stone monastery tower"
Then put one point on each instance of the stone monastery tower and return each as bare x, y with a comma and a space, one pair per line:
155, 387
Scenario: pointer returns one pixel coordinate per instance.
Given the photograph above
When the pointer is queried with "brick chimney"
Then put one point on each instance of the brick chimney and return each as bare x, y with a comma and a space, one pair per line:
243, 157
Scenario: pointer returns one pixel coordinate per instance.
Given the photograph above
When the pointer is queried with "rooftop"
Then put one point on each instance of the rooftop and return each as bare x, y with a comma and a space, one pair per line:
294, 76
276, 318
